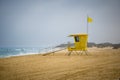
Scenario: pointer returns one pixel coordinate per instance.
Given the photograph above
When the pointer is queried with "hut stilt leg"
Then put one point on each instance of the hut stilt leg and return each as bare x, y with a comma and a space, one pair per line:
69, 53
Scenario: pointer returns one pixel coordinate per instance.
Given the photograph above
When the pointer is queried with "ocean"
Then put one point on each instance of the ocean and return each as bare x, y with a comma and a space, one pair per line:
9, 52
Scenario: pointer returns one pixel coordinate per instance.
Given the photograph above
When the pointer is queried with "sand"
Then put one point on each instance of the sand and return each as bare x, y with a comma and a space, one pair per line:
99, 64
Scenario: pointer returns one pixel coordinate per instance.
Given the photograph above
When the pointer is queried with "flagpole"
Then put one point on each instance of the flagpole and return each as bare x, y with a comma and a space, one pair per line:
87, 24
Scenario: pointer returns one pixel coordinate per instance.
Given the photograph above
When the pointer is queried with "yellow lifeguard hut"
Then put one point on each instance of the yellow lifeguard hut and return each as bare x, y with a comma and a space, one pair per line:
80, 43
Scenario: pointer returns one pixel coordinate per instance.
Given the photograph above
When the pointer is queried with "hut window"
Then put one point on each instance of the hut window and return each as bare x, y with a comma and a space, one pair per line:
77, 39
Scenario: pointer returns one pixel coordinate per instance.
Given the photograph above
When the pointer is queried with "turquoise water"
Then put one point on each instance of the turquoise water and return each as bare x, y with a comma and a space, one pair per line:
8, 52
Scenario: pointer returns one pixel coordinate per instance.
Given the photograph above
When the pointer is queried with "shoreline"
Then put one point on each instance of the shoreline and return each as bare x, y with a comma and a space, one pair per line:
49, 52
21, 52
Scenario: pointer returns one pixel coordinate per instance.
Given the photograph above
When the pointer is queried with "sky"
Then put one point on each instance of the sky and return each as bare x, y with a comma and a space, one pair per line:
35, 23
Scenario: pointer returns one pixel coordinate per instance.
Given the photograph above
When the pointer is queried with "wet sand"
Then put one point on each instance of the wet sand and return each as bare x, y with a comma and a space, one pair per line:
99, 64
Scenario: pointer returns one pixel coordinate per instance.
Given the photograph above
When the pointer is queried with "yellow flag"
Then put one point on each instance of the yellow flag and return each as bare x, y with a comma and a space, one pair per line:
89, 20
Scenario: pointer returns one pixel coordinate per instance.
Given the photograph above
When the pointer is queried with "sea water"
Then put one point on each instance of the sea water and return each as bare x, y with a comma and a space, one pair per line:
9, 52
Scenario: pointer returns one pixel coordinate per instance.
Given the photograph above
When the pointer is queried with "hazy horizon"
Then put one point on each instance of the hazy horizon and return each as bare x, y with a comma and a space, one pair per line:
38, 23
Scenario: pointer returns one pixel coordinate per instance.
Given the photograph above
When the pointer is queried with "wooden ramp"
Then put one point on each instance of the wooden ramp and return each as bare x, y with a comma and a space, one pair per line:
48, 53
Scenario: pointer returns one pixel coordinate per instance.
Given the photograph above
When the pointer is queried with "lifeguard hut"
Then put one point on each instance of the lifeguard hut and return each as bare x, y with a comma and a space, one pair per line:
80, 43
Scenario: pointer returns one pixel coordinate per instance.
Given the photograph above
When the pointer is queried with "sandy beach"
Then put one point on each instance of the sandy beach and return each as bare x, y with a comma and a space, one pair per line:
99, 64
